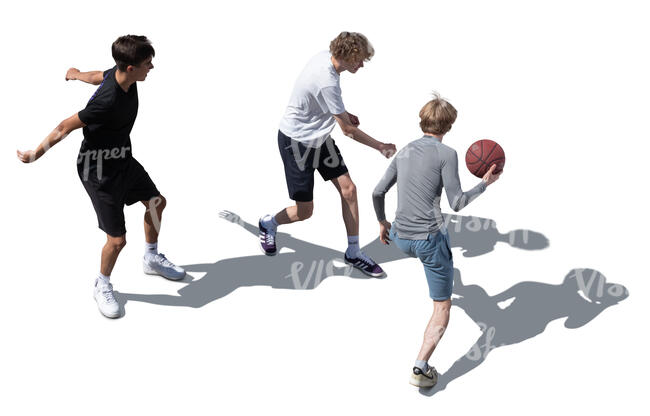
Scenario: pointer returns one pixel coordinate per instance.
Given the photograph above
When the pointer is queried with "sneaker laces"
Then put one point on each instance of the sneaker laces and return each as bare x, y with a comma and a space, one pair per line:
107, 292
163, 260
267, 235
364, 258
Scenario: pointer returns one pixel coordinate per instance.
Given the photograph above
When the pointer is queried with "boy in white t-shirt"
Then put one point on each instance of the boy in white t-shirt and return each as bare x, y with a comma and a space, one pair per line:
306, 145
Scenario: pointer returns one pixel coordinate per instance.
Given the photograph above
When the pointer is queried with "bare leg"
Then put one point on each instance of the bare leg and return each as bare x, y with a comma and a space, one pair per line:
153, 217
349, 206
435, 329
299, 212
110, 252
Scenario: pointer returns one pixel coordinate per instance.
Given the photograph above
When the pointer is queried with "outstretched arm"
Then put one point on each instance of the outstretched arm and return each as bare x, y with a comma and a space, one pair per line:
90, 77
59, 133
457, 198
349, 126
349, 123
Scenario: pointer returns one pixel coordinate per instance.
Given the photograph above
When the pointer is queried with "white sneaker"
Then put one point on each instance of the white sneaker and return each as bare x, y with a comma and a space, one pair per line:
105, 299
422, 379
158, 264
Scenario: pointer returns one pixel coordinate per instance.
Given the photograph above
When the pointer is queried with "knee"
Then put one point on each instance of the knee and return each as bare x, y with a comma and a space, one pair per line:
116, 243
160, 202
305, 211
349, 192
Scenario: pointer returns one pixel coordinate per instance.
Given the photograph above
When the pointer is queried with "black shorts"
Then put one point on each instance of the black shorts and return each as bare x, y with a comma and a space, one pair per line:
300, 162
111, 189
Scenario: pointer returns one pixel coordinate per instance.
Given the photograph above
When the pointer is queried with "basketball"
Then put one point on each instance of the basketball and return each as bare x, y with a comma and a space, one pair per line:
482, 154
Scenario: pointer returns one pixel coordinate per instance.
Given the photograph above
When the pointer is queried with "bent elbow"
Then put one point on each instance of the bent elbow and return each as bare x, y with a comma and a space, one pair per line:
64, 128
61, 128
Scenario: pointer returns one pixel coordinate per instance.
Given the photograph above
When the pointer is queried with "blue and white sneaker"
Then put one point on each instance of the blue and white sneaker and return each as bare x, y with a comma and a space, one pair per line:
159, 265
267, 240
365, 264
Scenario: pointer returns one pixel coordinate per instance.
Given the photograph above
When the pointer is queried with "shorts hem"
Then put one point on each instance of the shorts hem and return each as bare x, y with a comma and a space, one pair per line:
112, 234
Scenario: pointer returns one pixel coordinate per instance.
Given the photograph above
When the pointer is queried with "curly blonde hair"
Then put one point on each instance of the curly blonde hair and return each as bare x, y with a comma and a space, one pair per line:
437, 116
351, 46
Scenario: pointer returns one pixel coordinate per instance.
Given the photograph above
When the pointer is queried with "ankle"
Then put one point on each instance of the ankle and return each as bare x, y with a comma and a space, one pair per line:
104, 279
151, 248
422, 365
353, 246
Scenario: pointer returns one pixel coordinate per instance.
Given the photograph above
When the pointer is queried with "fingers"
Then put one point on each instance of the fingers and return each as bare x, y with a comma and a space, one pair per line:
229, 216
488, 175
224, 213
388, 150
70, 72
24, 157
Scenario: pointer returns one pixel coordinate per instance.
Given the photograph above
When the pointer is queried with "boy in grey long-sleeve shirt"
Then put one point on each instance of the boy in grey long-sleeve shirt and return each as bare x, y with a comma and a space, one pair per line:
421, 169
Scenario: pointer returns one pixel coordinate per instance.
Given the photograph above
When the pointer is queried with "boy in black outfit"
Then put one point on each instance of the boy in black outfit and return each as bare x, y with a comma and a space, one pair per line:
110, 174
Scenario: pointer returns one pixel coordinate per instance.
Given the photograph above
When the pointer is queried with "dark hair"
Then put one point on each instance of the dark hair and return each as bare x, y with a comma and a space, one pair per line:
131, 50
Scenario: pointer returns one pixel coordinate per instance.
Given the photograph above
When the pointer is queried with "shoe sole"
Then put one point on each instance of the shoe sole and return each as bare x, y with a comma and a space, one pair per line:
419, 384
147, 270
109, 316
365, 272
154, 273
268, 254
117, 315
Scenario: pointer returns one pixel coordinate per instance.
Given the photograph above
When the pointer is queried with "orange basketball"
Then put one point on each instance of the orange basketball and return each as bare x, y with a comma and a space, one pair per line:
482, 154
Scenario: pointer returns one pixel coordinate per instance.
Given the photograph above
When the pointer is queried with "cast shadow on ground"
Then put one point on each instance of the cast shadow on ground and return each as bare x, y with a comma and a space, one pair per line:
473, 235
529, 308
304, 265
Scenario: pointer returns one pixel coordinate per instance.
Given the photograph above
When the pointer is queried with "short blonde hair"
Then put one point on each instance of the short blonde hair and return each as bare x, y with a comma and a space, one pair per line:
351, 46
437, 116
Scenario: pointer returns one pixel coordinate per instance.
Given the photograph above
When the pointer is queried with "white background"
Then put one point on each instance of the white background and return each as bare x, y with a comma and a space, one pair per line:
562, 86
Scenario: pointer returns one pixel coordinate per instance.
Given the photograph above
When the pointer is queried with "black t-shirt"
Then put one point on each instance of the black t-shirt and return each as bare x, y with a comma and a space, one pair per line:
109, 118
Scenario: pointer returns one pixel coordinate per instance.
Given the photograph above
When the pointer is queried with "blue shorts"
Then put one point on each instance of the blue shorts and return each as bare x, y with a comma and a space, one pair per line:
435, 255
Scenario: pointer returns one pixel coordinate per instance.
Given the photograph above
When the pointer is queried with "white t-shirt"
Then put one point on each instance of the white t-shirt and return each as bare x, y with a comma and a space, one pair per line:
315, 98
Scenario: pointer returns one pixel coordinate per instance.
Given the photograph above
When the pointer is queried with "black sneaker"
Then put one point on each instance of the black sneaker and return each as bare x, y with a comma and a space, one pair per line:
365, 264
267, 240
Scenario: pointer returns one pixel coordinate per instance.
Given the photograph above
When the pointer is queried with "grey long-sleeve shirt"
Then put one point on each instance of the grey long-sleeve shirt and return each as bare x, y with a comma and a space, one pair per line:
420, 170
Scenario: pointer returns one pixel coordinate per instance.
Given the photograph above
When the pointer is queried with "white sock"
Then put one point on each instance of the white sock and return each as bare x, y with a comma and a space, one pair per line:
150, 248
104, 279
422, 365
269, 222
353, 246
